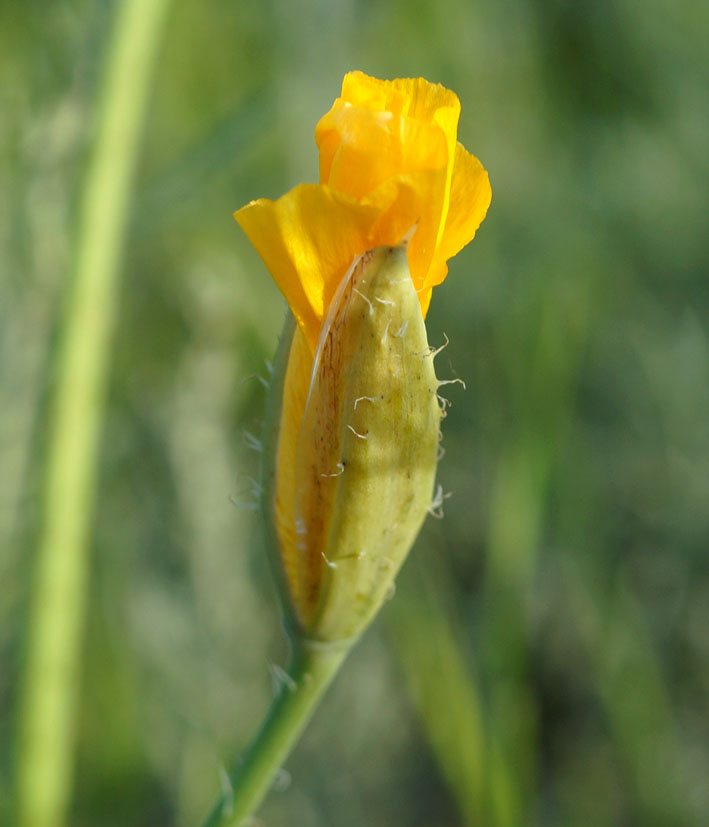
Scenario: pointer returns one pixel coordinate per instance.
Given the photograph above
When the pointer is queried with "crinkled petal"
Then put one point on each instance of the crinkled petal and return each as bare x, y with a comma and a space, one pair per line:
413, 97
378, 130
361, 148
431, 100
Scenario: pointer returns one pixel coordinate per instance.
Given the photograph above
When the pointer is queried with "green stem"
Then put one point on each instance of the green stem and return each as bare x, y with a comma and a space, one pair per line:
311, 669
52, 667
312, 665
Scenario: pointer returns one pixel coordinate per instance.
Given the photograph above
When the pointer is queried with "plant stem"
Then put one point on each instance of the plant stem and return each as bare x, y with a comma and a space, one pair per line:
312, 665
59, 594
308, 676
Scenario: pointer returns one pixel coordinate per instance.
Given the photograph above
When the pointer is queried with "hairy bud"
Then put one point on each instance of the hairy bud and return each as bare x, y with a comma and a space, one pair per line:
357, 450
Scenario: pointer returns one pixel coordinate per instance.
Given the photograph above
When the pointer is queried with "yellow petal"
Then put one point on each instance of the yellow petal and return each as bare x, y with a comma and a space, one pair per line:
307, 240
432, 101
406, 202
413, 97
470, 197
380, 128
378, 131
425, 299
309, 237
361, 148
302, 575
390, 166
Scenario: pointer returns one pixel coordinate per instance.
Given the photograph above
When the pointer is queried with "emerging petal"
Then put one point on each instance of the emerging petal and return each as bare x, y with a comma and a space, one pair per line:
390, 170
379, 132
414, 98
307, 240
310, 236
410, 115
404, 203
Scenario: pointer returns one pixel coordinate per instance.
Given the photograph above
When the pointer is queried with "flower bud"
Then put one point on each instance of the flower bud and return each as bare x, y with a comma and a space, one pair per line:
354, 475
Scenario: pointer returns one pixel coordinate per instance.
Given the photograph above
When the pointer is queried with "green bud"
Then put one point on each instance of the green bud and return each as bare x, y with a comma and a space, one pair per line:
365, 455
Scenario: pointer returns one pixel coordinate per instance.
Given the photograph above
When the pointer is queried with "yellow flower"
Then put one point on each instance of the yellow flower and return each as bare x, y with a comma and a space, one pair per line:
389, 162
391, 173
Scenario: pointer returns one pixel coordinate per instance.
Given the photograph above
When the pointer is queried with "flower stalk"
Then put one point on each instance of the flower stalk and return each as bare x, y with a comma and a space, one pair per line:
352, 424
309, 673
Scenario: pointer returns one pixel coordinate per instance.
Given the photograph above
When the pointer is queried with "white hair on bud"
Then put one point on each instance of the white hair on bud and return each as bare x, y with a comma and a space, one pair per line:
424, 353
254, 490
258, 378
252, 442
436, 350
359, 436
445, 403
368, 398
435, 509
243, 506
340, 468
452, 382
282, 678
329, 563
361, 295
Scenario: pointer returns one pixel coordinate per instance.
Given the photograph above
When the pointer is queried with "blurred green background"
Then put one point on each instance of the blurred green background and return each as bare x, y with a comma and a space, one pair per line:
546, 658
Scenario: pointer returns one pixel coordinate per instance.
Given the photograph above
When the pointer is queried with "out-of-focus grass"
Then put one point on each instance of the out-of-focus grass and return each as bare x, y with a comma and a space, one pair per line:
557, 657
446, 693
50, 680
